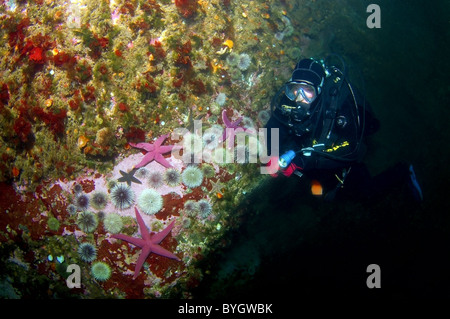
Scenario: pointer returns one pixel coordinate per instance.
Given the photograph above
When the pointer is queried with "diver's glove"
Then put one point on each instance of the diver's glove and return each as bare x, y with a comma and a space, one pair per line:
288, 171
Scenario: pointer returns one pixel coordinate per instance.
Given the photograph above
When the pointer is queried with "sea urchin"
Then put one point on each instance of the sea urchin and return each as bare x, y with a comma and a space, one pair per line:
155, 179
150, 201
87, 252
204, 208
87, 221
99, 200
82, 201
101, 271
192, 176
122, 196
113, 223
172, 177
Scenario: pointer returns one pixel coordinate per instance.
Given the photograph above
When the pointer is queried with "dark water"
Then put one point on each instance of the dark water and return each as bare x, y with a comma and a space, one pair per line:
292, 245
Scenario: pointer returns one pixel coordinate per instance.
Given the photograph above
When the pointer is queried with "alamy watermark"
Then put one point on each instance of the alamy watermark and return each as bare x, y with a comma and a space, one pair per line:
374, 18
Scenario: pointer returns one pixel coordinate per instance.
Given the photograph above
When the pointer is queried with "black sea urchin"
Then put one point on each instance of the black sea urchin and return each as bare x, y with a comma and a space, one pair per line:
87, 252
122, 196
82, 201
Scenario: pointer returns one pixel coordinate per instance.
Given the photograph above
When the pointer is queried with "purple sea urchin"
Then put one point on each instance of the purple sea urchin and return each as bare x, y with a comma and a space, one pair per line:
172, 177
150, 201
101, 271
155, 179
82, 201
87, 221
122, 196
204, 208
192, 176
87, 252
99, 200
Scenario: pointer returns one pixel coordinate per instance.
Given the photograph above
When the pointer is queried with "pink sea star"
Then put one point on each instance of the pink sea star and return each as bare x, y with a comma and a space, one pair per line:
230, 128
148, 243
155, 151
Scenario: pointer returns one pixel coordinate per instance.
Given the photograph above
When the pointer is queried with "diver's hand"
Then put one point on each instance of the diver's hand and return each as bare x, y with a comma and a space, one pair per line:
273, 166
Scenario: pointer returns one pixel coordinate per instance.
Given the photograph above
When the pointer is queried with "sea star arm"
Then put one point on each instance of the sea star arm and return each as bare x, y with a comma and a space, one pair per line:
160, 140
158, 237
150, 156
162, 160
144, 146
164, 252
227, 122
132, 240
141, 260
142, 228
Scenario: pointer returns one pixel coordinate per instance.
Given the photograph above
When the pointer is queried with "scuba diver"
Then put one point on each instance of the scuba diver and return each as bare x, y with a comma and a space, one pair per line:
323, 121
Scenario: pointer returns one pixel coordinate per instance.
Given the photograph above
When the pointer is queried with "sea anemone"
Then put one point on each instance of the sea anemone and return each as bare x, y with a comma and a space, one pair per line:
122, 196
53, 224
113, 223
191, 207
99, 200
87, 252
244, 61
87, 221
172, 177
204, 208
82, 201
192, 176
232, 59
221, 99
150, 201
155, 179
101, 271
71, 209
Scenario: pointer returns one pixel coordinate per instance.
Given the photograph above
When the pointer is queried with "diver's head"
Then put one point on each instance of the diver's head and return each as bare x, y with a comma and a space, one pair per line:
305, 85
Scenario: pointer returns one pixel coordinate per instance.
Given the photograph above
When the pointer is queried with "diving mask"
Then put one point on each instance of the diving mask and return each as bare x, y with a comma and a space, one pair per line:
301, 92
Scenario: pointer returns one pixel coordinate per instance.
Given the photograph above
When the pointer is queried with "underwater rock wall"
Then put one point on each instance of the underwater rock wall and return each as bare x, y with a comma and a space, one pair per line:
81, 81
